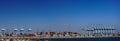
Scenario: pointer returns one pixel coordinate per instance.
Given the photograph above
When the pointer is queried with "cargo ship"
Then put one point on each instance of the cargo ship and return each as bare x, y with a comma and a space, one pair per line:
95, 34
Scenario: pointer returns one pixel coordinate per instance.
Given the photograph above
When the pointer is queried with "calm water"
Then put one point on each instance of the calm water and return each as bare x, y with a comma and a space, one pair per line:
82, 39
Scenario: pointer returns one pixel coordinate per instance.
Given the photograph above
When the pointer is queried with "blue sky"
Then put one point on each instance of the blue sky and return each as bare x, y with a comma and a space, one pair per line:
56, 14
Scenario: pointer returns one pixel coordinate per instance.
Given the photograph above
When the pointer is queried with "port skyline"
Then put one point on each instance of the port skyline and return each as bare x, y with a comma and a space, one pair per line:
57, 15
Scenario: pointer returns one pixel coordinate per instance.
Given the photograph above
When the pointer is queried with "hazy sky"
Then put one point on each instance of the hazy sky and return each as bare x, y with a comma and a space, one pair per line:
57, 14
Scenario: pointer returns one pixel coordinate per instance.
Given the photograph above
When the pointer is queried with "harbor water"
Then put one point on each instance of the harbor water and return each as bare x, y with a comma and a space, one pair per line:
82, 39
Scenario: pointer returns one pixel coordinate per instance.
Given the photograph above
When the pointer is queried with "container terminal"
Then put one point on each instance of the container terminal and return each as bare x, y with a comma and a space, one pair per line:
100, 33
